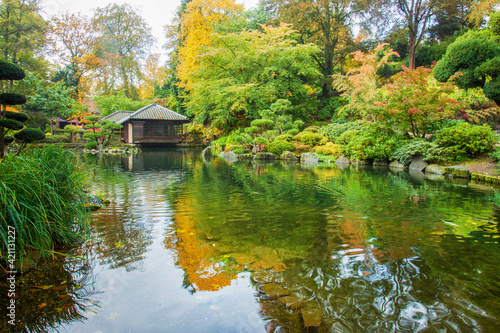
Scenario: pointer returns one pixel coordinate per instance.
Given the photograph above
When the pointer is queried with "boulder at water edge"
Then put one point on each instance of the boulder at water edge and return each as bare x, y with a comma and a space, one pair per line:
435, 169
265, 156
418, 164
289, 156
457, 171
308, 158
397, 165
342, 160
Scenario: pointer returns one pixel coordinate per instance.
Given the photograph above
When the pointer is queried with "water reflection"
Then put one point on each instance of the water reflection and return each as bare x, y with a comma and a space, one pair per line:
212, 246
62, 294
371, 250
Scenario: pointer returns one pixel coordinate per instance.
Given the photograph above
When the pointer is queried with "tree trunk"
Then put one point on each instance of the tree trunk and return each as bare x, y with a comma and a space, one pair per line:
412, 48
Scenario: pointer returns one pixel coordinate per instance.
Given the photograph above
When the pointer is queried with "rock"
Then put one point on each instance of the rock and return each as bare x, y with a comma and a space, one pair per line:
308, 158
457, 171
288, 155
360, 162
342, 160
311, 317
248, 156
262, 277
290, 302
265, 156
418, 164
397, 165
207, 152
435, 169
274, 291
230, 156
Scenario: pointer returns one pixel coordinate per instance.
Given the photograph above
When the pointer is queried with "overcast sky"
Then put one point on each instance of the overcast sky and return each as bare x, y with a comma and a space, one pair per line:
156, 12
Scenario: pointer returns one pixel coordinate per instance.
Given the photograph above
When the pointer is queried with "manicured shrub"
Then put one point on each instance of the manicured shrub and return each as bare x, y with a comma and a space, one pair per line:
279, 146
10, 71
285, 137
334, 131
329, 149
312, 139
29, 135
465, 140
57, 138
369, 141
12, 99
11, 124
22, 117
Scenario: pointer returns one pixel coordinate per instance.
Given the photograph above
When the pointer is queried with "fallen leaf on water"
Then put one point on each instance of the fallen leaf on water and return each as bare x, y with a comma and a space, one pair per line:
63, 296
119, 244
41, 305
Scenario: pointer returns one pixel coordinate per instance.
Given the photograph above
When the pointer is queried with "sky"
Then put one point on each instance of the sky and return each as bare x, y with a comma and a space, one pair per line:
156, 12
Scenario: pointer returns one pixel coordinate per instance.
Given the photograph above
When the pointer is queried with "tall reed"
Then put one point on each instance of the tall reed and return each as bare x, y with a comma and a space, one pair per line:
41, 197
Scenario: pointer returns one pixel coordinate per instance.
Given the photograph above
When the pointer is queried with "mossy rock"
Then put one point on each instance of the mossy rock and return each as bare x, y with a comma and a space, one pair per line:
289, 156
435, 169
265, 156
457, 171
397, 165
311, 317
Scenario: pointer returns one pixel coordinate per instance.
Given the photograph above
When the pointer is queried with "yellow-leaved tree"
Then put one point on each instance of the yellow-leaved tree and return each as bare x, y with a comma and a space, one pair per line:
196, 29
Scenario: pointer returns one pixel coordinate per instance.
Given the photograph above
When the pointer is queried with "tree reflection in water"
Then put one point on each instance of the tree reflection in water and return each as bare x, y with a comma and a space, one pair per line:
57, 293
371, 253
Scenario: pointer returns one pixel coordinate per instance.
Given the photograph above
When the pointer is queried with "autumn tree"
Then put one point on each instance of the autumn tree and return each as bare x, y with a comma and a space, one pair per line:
195, 32
124, 38
153, 75
73, 42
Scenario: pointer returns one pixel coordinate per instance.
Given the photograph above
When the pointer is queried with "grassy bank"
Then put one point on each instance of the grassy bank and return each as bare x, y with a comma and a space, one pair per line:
41, 202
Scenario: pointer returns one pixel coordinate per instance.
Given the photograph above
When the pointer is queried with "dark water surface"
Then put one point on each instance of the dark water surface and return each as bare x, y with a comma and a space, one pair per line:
206, 246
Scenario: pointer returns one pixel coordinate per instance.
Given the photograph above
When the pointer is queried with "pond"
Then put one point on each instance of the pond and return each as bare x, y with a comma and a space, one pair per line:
193, 245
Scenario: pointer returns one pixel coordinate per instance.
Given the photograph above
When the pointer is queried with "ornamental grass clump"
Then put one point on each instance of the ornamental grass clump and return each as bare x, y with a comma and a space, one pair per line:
41, 197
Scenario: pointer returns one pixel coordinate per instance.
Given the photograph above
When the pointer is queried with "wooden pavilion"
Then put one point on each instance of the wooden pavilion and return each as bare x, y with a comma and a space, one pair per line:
151, 124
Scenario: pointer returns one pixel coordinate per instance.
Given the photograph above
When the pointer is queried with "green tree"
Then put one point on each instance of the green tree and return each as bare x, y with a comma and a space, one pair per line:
325, 23
244, 72
124, 39
22, 30
118, 101
53, 99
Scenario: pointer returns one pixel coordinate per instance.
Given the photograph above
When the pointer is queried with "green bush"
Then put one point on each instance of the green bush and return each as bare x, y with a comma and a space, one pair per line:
57, 139
285, 137
11, 124
329, 149
334, 131
12, 99
10, 71
91, 145
241, 150
22, 117
41, 197
415, 147
29, 135
279, 146
312, 139
465, 140
369, 141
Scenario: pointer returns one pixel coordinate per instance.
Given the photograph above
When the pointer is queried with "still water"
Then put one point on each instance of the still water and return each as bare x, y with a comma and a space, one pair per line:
193, 245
